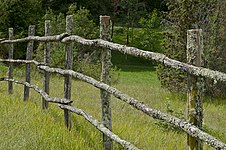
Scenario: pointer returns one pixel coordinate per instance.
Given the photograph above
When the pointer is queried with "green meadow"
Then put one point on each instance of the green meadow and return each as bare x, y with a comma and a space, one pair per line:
24, 125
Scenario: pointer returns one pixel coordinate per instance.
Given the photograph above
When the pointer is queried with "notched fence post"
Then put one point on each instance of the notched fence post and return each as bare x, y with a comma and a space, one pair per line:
30, 46
47, 62
194, 94
68, 65
105, 28
10, 69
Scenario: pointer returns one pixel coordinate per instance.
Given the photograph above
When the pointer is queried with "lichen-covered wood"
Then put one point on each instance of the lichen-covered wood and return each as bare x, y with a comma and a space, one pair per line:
10, 69
194, 94
68, 65
54, 38
47, 62
154, 113
2, 40
197, 71
105, 97
41, 92
22, 61
29, 53
186, 126
158, 57
100, 126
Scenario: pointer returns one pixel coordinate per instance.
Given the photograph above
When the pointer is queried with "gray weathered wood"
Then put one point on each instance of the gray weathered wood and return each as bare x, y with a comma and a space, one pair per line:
105, 26
10, 69
22, 61
47, 62
68, 65
54, 38
2, 40
161, 58
194, 94
41, 92
185, 126
101, 127
29, 52
158, 57
154, 113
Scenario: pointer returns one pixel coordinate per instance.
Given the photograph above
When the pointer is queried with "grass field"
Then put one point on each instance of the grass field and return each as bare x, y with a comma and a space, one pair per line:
24, 125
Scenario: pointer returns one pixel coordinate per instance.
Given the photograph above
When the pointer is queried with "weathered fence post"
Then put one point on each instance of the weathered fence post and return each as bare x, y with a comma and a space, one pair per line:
105, 26
47, 62
30, 45
68, 65
194, 95
10, 71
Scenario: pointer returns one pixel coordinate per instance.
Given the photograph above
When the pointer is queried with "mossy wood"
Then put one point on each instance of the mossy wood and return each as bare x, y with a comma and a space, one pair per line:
158, 57
154, 113
194, 94
10, 69
105, 26
68, 65
187, 127
63, 101
53, 38
30, 46
40, 91
47, 62
104, 84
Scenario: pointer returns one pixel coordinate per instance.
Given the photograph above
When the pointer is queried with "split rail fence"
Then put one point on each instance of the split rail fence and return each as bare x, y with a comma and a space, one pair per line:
193, 127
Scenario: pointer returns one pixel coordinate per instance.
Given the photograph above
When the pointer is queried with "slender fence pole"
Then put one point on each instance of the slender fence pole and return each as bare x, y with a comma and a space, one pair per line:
30, 46
105, 28
194, 95
10, 71
47, 62
68, 65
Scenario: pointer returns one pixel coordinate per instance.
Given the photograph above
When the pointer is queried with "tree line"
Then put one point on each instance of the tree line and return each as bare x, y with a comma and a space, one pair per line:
154, 25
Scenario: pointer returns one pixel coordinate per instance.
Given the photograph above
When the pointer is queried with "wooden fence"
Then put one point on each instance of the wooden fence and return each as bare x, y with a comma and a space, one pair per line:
193, 127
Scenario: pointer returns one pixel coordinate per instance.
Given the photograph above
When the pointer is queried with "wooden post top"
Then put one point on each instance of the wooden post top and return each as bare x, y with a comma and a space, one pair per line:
105, 20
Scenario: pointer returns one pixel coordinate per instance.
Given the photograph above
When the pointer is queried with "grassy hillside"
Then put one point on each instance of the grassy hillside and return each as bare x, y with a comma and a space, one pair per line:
24, 125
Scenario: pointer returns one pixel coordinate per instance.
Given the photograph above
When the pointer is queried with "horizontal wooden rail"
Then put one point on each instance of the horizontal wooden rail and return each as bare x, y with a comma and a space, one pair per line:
2, 40
22, 61
88, 117
187, 127
100, 127
158, 57
41, 92
54, 38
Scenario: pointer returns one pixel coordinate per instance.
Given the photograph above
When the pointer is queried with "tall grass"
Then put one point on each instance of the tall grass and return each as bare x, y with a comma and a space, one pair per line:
24, 125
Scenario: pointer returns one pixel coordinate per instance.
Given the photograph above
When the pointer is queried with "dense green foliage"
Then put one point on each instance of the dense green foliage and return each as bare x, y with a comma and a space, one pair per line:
138, 23
86, 20
207, 15
18, 15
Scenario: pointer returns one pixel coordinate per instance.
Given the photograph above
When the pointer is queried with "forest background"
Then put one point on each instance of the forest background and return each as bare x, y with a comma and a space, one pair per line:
152, 25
